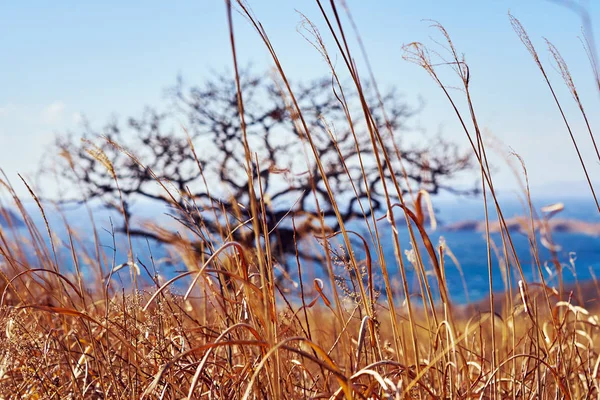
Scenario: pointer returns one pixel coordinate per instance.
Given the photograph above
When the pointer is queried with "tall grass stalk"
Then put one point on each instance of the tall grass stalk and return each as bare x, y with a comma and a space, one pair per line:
227, 327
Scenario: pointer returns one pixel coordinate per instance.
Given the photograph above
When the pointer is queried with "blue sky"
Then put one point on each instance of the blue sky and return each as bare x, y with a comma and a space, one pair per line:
65, 59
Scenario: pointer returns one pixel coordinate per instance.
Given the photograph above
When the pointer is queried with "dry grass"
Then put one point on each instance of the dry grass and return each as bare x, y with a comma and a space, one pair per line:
236, 333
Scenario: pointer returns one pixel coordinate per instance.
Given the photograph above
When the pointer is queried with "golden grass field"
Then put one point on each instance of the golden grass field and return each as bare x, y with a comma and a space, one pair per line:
236, 334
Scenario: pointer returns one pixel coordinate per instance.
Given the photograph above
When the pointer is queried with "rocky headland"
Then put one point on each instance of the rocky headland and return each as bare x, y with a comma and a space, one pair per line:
523, 225
9, 218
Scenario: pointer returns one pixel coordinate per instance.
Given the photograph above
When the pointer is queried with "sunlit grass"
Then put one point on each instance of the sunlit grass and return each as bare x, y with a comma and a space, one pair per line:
236, 331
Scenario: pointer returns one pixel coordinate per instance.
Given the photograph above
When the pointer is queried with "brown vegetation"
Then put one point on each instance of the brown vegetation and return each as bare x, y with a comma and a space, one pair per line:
237, 333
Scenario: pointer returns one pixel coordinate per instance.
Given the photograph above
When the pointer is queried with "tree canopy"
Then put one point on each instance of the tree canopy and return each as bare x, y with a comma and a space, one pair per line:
195, 148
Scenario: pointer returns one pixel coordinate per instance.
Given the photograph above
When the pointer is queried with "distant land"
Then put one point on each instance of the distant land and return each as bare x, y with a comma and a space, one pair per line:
523, 224
8, 218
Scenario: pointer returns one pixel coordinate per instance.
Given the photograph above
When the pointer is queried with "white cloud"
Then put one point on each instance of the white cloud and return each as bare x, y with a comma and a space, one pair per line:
7, 109
76, 118
53, 114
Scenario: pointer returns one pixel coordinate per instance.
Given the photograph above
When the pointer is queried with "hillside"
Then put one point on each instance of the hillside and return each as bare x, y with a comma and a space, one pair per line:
8, 218
523, 225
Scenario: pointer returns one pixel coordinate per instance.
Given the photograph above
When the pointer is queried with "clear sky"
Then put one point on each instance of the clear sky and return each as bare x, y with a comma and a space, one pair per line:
65, 59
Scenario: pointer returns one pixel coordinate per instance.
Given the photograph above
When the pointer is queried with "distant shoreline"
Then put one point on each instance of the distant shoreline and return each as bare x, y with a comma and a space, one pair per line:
9, 218
523, 225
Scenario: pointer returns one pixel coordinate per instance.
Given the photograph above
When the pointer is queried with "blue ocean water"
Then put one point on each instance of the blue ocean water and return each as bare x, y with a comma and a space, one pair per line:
579, 257
580, 254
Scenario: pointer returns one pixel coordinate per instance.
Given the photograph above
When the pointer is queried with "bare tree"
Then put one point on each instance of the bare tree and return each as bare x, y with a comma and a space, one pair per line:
214, 176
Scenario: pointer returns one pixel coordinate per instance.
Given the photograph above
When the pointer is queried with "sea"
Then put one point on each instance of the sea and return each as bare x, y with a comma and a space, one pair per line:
579, 257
